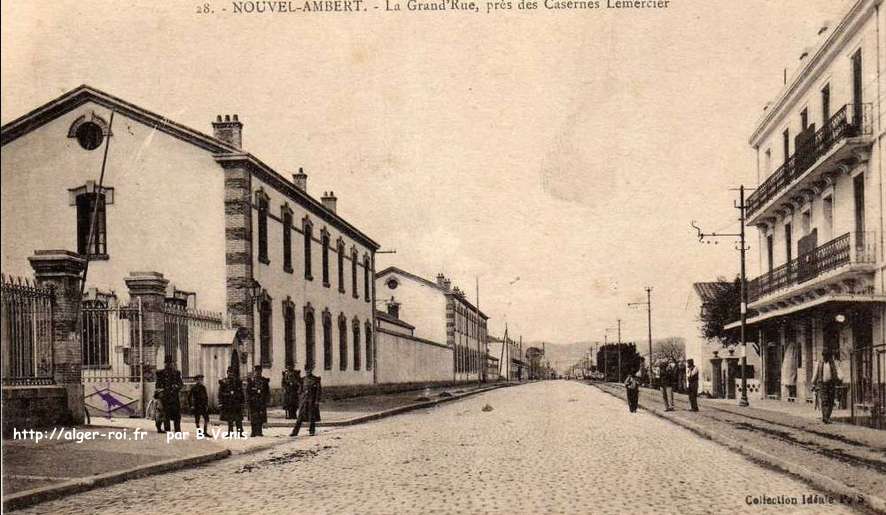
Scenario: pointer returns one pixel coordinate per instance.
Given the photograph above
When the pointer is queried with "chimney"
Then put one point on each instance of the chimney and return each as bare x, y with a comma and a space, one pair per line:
329, 201
447, 284
394, 308
440, 279
228, 130
300, 179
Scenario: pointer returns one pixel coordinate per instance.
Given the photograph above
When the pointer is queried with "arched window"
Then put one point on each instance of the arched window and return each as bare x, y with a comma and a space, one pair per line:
289, 332
94, 334
308, 228
265, 311
356, 341
287, 239
354, 291
340, 252
324, 242
342, 342
309, 336
327, 340
261, 203
366, 283
367, 333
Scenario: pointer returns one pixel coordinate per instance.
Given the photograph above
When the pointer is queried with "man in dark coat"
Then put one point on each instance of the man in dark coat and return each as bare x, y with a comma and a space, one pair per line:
199, 401
169, 383
258, 394
692, 384
291, 386
825, 383
230, 401
309, 405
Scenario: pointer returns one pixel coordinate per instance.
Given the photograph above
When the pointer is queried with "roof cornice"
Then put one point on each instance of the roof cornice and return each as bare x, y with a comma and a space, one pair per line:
826, 51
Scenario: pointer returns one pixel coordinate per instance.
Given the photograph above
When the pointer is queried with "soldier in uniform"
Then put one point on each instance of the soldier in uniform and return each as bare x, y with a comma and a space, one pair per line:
309, 405
199, 401
258, 394
291, 386
230, 401
169, 383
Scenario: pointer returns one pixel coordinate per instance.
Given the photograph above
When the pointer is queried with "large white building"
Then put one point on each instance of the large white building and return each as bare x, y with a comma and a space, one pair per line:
440, 313
820, 214
232, 234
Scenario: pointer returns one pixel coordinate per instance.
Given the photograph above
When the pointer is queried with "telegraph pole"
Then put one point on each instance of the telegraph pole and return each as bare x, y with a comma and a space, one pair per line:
619, 351
648, 305
743, 292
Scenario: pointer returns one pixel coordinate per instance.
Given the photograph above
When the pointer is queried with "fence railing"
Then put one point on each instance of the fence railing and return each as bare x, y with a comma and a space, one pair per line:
868, 386
846, 249
183, 327
26, 332
850, 121
110, 341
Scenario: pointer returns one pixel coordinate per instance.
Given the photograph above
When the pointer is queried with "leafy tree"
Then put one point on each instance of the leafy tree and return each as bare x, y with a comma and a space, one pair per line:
669, 349
630, 360
724, 307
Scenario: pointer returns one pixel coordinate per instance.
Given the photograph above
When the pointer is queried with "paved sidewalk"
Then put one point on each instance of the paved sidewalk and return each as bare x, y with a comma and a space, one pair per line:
837, 458
48, 465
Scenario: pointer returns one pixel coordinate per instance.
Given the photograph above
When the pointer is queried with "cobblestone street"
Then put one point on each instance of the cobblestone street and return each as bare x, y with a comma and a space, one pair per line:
550, 447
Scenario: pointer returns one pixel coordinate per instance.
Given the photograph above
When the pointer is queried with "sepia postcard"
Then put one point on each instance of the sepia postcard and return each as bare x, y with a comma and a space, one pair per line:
443, 256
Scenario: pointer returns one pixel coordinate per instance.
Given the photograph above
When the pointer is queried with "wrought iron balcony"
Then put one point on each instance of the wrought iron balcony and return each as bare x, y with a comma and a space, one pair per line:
848, 249
850, 121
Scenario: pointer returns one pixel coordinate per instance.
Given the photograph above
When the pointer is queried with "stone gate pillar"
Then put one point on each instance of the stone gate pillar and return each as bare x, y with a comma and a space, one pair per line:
150, 288
61, 271
716, 378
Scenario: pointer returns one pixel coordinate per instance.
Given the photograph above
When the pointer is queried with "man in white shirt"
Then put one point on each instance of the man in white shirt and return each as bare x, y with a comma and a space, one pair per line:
825, 383
692, 384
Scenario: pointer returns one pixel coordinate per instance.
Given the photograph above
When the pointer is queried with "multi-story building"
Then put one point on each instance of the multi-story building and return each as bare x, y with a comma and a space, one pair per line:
510, 357
820, 214
248, 242
441, 313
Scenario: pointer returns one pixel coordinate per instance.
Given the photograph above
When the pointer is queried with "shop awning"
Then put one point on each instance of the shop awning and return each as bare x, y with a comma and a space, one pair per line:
824, 299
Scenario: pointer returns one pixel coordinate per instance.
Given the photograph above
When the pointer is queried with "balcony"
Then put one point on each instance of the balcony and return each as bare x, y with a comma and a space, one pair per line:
835, 260
830, 145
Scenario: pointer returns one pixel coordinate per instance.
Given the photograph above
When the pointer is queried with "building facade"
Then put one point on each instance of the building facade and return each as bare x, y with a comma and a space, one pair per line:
233, 235
440, 313
819, 211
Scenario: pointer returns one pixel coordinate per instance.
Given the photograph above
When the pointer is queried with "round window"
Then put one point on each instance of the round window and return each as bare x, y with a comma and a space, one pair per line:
392, 284
90, 135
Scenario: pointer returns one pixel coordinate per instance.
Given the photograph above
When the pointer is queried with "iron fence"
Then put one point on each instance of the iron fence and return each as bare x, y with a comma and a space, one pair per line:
183, 327
26, 332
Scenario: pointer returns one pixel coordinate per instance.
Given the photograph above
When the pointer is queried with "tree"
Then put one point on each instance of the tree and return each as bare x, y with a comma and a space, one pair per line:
630, 360
721, 308
669, 349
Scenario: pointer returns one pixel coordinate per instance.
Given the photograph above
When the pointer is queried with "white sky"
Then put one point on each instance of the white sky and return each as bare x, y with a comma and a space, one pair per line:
570, 149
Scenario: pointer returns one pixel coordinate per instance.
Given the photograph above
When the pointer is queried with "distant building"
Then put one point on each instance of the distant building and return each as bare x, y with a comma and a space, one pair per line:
441, 313
511, 363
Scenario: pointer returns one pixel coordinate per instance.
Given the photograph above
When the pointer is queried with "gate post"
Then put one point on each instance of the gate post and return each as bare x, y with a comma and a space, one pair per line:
150, 288
61, 271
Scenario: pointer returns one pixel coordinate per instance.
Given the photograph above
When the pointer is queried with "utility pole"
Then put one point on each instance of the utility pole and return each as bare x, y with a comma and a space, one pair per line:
619, 351
743, 292
648, 305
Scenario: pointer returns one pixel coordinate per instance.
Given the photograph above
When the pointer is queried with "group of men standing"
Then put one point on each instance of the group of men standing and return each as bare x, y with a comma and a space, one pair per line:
301, 399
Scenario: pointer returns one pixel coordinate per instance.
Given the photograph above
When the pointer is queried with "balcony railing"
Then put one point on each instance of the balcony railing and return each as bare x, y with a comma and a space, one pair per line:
850, 121
850, 248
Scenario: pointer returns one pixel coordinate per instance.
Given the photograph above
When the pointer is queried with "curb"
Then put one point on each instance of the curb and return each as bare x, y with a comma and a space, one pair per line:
871, 502
38, 495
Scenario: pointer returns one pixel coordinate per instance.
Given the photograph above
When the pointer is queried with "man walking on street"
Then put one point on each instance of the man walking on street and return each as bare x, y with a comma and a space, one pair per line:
825, 383
309, 406
632, 386
291, 386
664, 382
199, 402
169, 382
230, 400
258, 394
692, 384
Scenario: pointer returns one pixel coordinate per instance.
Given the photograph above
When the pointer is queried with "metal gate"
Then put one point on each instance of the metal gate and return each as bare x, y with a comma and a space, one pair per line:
112, 350
868, 386
25, 332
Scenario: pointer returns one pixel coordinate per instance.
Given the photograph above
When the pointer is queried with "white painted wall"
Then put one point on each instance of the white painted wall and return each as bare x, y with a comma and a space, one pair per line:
403, 359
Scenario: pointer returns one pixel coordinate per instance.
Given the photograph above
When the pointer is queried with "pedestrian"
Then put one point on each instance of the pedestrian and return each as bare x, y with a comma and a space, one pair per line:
309, 404
258, 394
169, 382
230, 401
672, 383
632, 386
692, 384
199, 401
825, 384
291, 386
664, 382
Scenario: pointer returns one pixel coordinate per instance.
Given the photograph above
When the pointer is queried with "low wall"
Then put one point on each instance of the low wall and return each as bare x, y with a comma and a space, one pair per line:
406, 359
34, 407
